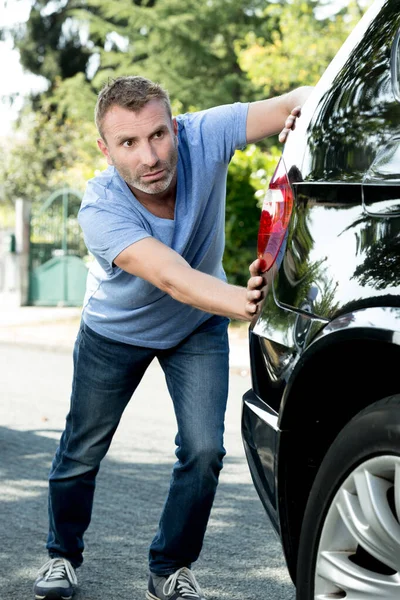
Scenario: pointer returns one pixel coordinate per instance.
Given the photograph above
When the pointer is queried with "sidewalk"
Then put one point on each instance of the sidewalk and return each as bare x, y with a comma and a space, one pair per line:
52, 328
55, 329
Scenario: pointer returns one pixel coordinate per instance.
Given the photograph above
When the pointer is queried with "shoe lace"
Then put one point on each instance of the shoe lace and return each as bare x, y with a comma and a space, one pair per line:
58, 568
183, 580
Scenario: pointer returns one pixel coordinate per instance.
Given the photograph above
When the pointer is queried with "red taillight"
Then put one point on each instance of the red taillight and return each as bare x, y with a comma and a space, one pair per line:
275, 215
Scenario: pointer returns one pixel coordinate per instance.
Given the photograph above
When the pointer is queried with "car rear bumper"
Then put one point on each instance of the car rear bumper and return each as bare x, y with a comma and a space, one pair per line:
260, 436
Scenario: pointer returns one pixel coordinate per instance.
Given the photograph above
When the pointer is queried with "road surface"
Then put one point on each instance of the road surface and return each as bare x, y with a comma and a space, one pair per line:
241, 557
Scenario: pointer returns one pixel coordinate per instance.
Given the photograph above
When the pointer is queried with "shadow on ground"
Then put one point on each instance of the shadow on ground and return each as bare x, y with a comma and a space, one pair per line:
241, 558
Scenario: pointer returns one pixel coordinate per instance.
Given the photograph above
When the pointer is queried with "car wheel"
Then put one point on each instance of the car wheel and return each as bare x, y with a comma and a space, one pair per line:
350, 537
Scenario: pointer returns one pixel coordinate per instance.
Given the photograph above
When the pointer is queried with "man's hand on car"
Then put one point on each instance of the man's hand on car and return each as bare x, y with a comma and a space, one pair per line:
290, 124
256, 288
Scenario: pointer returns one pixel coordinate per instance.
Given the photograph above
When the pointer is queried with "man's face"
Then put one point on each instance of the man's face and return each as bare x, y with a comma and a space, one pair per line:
142, 146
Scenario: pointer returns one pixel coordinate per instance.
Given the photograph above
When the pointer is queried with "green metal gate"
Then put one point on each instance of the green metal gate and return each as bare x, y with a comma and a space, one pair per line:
57, 271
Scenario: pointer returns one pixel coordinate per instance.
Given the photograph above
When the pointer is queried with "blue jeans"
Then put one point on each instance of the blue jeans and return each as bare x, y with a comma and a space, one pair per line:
106, 373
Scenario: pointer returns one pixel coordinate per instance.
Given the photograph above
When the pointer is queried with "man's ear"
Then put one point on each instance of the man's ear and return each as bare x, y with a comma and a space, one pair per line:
103, 148
175, 126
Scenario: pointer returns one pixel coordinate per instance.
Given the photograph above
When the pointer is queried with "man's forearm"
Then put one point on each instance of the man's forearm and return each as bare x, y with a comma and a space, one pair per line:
166, 269
268, 117
207, 293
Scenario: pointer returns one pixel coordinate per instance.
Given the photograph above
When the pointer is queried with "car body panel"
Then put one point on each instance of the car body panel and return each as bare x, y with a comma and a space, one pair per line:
327, 340
275, 410
350, 137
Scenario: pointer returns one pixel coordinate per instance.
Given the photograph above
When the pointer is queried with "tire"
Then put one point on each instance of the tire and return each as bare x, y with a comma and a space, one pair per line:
350, 537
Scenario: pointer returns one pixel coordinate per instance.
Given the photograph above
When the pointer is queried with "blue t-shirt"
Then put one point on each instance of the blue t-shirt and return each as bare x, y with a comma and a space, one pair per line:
129, 309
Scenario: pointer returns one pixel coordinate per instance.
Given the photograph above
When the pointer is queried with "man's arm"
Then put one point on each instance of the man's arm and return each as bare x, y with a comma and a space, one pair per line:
275, 115
166, 269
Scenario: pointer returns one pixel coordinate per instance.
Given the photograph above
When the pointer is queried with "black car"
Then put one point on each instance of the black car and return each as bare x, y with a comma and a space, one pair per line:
321, 422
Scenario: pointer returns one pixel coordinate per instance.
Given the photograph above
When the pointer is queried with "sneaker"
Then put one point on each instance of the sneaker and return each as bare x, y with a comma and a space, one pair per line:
55, 580
181, 585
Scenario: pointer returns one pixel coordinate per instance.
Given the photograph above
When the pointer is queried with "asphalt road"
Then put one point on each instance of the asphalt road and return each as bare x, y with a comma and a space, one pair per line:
241, 558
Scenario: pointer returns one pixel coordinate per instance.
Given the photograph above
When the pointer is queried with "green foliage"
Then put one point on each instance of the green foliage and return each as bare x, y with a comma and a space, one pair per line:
295, 47
51, 43
55, 146
204, 53
7, 216
248, 178
190, 48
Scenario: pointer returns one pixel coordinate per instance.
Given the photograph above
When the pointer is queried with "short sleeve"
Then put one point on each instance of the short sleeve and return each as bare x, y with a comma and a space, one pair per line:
219, 130
108, 232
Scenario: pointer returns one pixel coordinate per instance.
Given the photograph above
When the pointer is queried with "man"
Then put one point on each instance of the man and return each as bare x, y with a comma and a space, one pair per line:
154, 221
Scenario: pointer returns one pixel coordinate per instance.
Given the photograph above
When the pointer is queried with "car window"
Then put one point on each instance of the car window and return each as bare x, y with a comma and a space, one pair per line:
358, 113
396, 66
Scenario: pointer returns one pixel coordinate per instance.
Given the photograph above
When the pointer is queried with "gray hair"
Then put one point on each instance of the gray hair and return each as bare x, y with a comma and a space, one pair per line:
132, 92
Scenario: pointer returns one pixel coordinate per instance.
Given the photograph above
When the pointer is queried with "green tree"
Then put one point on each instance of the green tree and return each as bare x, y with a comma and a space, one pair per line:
54, 146
51, 43
295, 47
190, 48
204, 53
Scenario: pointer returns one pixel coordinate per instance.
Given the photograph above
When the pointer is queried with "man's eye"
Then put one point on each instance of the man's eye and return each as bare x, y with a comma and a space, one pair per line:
128, 143
158, 134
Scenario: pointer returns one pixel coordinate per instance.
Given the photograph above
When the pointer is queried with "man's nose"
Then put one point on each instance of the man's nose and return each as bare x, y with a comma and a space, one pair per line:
148, 155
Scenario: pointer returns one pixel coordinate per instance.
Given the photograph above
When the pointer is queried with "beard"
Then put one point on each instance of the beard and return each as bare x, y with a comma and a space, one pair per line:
134, 179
